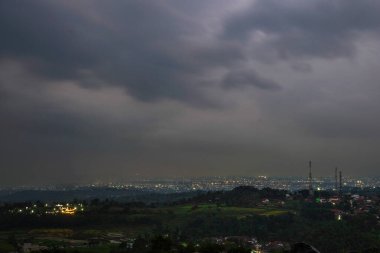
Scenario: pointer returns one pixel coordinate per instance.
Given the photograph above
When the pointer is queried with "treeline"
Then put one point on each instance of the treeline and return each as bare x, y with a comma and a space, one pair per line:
165, 244
89, 193
245, 196
306, 221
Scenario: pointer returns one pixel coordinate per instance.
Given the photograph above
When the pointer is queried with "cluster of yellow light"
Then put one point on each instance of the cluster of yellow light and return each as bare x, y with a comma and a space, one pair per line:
56, 209
65, 209
68, 210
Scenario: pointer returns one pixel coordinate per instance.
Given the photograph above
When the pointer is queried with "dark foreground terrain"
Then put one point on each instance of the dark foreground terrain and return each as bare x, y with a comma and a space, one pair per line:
242, 220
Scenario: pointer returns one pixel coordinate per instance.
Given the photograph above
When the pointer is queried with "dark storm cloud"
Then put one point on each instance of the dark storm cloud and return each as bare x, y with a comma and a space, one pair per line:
97, 88
306, 28
128, 44
46, 36
248, 78
137, 45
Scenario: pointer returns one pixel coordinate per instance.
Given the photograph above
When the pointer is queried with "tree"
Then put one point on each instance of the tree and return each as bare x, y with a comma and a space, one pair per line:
209, 247
161, 244
239, 250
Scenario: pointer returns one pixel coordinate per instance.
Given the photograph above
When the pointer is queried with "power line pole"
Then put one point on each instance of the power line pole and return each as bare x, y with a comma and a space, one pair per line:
311, 192
340, 183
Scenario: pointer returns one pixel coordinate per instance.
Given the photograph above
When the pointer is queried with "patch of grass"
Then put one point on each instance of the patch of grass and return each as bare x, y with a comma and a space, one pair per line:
52, 232
225, 210
92, 232
107, 248
6, 247
274, 212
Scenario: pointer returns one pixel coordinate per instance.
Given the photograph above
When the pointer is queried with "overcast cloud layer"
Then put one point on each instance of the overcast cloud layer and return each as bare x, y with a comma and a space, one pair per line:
114, 90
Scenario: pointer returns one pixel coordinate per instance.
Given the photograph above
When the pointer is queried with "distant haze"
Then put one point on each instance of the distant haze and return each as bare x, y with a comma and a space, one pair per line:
114, 90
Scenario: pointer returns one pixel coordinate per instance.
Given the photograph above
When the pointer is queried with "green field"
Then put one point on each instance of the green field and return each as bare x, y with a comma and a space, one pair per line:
98, 249
178, 214
6, 247
138, 221
225, 210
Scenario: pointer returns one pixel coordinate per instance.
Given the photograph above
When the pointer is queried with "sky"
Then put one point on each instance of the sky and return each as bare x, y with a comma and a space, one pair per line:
117, 90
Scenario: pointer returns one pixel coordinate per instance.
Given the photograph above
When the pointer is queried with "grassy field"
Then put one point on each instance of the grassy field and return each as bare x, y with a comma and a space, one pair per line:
138, 221
175, 215
98, 249
225, 210
6, 247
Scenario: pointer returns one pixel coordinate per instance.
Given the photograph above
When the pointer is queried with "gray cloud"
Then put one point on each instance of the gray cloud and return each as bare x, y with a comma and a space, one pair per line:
145, 47
248, 78
326, 29
128, 44
102, 90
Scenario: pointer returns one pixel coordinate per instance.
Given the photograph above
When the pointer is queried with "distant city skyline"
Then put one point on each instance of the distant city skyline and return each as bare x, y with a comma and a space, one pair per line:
113, 89
177, 185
